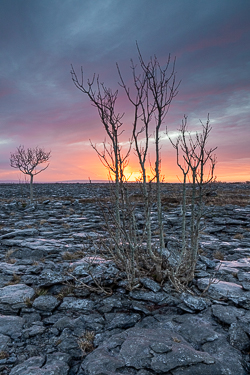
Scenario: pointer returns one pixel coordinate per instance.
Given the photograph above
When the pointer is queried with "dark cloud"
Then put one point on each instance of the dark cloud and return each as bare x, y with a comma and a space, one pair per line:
40, 39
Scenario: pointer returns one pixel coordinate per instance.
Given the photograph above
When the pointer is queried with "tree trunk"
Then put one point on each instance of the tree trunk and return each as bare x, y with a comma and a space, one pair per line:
31, 187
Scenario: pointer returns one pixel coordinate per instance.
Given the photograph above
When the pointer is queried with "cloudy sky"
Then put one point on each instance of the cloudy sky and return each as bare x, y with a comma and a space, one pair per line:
40, 106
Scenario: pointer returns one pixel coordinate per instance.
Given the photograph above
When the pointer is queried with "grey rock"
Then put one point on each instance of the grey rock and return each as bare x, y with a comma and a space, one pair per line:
243, 276
140, 306
13, 297
93, 322
196, 330
124, 321
238, 338
55, 368
110, 303
246, 285
194, 303
148, 296
31, 317
57, 356
101, 362
226, 290
9, 269
28, 365
72, 303
166, 337
161, 347
181, 355
49, 277
11, 324
201, 274
216, 229
4, 340
157, 349
45, 303
20, 233
150, 284
199, 369
200, 266
33, 331
26, 253
64, 322
229, 357
226, 314
208, 262
68, 343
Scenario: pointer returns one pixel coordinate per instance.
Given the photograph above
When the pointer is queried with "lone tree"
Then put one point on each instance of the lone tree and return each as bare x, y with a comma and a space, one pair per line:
28, 160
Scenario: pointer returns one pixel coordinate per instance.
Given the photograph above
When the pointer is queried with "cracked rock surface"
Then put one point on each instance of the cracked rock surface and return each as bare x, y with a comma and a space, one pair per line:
54, 322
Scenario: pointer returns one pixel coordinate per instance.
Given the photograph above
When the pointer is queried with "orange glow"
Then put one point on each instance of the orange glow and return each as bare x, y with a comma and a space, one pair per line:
82, 165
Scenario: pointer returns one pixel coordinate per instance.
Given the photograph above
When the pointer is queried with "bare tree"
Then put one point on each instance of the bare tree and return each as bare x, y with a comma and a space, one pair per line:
104, 99
197, 163
28, 160
155, 88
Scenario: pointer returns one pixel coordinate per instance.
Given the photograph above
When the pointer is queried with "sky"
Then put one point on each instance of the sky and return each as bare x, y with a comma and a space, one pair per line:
40, 106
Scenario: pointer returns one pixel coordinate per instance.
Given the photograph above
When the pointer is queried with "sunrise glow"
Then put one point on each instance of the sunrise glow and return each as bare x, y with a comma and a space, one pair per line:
40, 106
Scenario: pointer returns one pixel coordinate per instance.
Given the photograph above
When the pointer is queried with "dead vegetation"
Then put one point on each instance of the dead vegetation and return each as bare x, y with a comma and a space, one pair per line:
86, 342
73, 256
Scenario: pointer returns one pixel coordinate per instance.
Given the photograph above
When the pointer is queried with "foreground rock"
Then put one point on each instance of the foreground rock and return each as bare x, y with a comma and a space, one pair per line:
56, 320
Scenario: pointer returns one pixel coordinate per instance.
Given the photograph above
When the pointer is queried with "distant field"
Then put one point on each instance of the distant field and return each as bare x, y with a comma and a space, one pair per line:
218, 194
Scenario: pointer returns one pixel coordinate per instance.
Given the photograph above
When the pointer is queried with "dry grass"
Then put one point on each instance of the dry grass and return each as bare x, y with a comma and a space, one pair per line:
202, 252
230, 194
28, 302
15, 279
72, 256
64, 292
92, 200
8, 258
175, 339
218, 255
86, 342
225, 194
3, 354
41, 292
238, 236
66, 225
9, 253
11, 260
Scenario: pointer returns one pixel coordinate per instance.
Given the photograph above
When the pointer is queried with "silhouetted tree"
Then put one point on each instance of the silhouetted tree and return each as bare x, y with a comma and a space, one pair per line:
197, 163
154, 88
28, 160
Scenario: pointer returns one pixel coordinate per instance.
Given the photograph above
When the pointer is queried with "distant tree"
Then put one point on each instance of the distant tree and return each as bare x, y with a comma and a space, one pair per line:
28, 160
